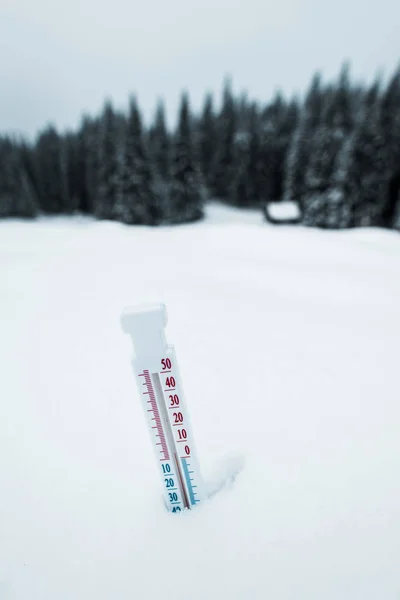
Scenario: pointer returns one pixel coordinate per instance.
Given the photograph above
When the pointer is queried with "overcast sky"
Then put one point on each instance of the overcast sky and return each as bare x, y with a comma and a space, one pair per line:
58, 59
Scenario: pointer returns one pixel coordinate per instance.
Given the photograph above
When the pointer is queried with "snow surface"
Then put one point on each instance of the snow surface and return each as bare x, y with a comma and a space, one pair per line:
288, 346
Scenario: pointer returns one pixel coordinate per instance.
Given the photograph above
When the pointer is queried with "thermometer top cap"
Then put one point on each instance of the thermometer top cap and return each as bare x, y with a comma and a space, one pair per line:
145, 324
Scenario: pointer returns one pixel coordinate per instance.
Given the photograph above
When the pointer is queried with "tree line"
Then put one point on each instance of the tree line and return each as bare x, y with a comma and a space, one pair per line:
336, 153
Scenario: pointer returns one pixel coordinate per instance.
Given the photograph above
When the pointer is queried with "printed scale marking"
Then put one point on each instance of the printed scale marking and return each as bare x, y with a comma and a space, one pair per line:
159, 384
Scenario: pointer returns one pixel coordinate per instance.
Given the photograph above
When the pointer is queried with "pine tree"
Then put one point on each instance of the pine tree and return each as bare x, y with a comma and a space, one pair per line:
28, 160
17, 195
187, 192
321, 207
52, 172
240, 190
208, 141
279, 122
246, 189
265, 175
89, 135
360, 171
225, 164
75, 160
160, 144
139, 203
297, 155
254, 168
287, 126
370, 97
109, 165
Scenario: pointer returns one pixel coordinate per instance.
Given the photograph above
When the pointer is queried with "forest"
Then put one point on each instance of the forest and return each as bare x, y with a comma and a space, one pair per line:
335, 153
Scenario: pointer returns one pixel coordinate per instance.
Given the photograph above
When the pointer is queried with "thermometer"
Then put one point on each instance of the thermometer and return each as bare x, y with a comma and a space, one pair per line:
161, 392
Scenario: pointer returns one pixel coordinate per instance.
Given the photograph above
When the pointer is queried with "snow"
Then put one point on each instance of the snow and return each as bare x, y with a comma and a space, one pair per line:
287, 341
283, 210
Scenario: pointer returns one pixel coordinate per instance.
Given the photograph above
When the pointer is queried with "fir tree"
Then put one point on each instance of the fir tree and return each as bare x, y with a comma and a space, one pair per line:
89, 136
265, 179
138, 202
360, 170
370, 97
297, 155
28, 160
279, 122
109, 165
208, 141
225, 164
320, 206
240, 189
160, 144
17, 195
52, 172
74, 152
254, 168
246, 189
72, 159
289, 121
187, 192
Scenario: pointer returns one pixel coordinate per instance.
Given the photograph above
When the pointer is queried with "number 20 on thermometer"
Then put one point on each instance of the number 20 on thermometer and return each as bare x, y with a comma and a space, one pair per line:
160, 389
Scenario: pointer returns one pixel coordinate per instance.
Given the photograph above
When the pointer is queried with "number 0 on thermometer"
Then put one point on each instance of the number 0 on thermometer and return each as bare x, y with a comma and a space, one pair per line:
160, 389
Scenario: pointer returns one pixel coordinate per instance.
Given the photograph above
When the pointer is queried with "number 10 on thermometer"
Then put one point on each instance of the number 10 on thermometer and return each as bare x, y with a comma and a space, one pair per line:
160, 389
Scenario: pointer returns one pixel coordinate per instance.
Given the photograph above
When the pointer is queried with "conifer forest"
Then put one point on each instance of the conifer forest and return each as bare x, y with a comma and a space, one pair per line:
335, 153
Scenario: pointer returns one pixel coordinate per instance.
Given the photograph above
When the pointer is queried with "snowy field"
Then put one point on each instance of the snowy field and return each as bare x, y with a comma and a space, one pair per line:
288, 343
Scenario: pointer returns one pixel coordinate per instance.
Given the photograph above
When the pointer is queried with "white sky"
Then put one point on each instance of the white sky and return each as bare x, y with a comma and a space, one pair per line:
58, 59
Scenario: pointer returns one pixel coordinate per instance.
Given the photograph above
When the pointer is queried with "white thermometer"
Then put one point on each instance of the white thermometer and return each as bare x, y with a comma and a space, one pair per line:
160, 389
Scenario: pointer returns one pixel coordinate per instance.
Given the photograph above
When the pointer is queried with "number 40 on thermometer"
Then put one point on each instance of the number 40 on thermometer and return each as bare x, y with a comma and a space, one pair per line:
160, 389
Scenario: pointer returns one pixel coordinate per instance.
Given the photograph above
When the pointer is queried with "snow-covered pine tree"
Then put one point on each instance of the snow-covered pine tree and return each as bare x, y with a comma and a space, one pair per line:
225, 163
187, 190
160, 146
70, 156
243, 108
265, 173
359, 177
254, 159
160, 156
240, 190
288, 124
89, 134
207, 140
52, 172
28, 159
279, 123
245, 186
297, 155
109, 165
17, 194
370, 97
321, 207
139, 202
